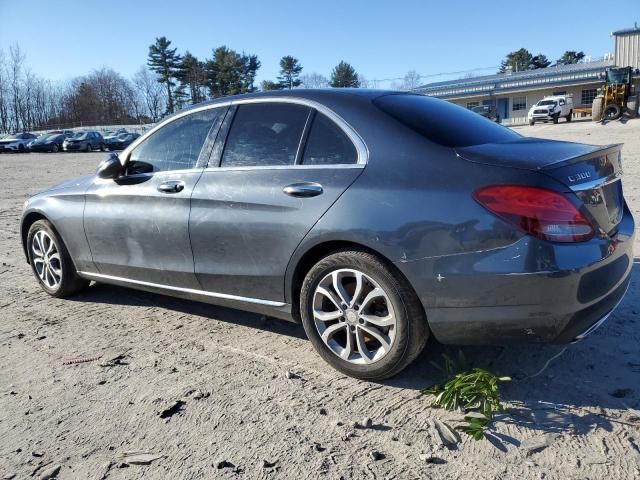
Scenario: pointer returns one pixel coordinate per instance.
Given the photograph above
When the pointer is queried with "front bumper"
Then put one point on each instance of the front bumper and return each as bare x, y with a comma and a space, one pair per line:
530, 291
9, 148
74, 146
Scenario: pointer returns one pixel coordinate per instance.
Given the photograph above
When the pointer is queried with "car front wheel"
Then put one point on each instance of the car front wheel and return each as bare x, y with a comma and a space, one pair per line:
50, 261
362, 316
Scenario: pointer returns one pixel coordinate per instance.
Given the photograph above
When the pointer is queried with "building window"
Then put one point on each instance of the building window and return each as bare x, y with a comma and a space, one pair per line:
519, 103
563, 92
471, 105
588, 95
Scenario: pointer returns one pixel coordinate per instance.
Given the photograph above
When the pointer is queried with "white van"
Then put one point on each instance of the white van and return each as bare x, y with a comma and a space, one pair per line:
551, 109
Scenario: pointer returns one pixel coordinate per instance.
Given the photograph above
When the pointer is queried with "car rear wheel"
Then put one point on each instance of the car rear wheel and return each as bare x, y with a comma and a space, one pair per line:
362, 316
55, 148
568, 117
89, 147
50, 261
556, 117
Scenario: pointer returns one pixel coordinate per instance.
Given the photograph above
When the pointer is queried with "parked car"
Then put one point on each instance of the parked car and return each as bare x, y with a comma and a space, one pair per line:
120, 141
84, 141
48, 142
16, 142
550, 109
375, 218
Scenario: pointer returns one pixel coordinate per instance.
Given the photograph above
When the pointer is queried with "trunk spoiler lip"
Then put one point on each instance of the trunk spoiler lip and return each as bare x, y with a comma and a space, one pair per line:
466, 153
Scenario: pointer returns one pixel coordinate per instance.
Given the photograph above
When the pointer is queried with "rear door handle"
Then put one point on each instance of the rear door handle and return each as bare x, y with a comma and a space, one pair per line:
171, 187
303, 190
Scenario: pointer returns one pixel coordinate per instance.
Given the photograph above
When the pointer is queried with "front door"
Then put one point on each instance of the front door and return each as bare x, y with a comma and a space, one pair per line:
138, 225
282, 167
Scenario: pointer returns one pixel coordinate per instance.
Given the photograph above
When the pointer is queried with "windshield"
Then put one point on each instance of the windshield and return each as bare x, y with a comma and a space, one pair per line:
442, 122
79, 135
43, 136
618, 76
546, 102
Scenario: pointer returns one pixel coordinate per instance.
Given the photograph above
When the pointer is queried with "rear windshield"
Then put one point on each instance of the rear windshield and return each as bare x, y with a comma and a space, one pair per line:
443, 122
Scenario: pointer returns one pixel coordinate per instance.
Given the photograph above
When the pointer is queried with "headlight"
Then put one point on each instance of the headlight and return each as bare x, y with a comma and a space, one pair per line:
24, 205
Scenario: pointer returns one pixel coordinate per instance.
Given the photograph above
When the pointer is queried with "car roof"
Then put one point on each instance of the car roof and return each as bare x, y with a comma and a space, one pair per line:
317, 94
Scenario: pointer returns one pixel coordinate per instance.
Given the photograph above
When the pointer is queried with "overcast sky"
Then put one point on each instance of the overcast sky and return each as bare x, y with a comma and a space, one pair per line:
64, 38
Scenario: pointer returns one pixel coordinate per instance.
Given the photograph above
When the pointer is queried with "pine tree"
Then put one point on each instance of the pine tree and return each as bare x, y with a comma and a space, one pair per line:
230, 73
344, 75
165, 62
192, 75
517, 61
570, 57
270, 85
290, 69
539, 61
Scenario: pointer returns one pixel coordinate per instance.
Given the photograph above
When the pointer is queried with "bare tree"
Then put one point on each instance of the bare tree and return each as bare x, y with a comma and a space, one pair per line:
16, 61
151, 91
410, 81
314, 80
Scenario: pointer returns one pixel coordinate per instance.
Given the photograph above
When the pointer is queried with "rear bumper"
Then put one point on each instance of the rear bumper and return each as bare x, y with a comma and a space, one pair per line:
530, 291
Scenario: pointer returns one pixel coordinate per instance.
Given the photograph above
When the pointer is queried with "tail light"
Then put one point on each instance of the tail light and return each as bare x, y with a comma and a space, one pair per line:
537, 211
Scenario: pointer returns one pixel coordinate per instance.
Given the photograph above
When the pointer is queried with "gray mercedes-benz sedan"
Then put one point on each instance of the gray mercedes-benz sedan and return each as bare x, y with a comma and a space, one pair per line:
375, 218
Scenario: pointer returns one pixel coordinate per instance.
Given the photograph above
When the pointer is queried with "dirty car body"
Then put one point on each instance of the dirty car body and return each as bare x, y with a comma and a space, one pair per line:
431, 192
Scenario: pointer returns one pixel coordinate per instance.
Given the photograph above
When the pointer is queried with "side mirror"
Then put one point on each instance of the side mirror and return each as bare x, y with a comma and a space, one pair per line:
110, 167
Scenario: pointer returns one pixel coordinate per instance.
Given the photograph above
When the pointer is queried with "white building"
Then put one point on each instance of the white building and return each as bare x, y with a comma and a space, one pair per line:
513, 94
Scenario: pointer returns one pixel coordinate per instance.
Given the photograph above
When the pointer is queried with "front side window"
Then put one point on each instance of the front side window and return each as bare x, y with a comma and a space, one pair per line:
327, 144
265, 134
176, 146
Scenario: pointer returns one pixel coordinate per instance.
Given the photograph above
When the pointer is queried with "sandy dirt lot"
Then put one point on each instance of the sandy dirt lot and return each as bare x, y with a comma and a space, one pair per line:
207, 392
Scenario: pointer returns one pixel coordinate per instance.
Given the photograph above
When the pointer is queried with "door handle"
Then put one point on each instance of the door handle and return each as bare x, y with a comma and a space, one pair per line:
303, 190
171, 187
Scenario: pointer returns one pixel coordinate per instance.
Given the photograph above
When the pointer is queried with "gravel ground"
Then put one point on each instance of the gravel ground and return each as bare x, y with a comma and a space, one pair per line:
116, 383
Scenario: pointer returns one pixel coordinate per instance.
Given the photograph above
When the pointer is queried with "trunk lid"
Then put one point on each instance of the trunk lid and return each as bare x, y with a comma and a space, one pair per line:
592, 173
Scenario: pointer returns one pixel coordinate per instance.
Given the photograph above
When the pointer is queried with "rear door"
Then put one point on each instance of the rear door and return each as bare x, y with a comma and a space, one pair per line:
282, 166
138, 225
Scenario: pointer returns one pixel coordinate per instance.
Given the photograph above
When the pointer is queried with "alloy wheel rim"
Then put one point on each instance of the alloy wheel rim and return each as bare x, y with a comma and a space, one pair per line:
46, 259
354, 316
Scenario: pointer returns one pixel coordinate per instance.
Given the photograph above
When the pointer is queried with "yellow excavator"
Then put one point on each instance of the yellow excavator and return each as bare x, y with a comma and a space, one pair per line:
617, 96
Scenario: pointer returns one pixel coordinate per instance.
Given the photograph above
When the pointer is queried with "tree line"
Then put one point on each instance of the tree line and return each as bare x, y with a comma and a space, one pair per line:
187, 79
522, 59
170, 81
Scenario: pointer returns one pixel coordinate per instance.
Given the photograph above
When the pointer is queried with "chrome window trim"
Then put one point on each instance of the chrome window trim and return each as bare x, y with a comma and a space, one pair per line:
288, 167
361, 147
224, 296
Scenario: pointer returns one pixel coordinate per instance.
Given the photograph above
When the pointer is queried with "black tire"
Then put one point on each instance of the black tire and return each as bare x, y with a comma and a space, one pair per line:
568, 117
55, 148
556, 117
89, 149
612, 112
70, 282
21, 148
532, 122
102, 149
412, 330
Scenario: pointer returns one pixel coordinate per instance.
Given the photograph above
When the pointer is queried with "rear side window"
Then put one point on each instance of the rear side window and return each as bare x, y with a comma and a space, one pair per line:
265, 134
327, 144
443, 122
176, 146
